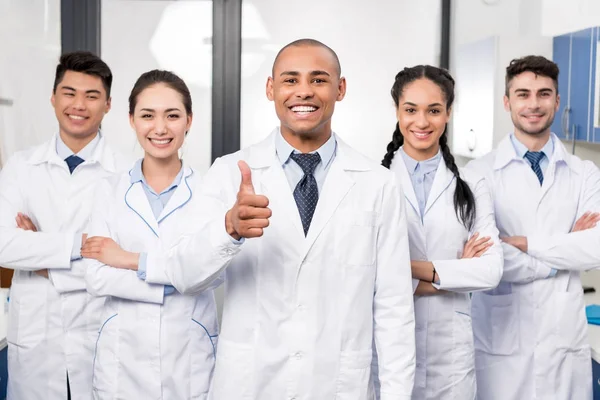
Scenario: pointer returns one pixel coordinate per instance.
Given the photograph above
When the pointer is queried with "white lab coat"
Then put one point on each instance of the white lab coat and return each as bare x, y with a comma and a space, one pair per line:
444, 339
300, 313
53, 323
531, 331
150, 346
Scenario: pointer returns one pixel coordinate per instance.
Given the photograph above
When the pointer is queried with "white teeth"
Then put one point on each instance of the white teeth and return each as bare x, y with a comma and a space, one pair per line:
421, 135
304, 109
76, 117
159, 141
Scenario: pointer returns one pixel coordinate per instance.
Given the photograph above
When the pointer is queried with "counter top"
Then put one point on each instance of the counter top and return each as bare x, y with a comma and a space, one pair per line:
594, 330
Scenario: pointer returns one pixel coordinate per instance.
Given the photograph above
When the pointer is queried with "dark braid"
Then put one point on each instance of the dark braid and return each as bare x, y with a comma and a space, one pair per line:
395, 144
464, 201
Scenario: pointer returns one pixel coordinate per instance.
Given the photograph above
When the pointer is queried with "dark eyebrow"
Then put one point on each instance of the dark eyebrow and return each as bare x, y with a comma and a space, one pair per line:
312, 73
318, 72
546, 90
408, 103
167, 110
522, 90
87, 91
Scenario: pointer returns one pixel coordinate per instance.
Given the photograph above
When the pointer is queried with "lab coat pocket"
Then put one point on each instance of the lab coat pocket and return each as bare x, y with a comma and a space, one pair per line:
28, 315
203, 346
234, 372
495, 323
353, 379
105, 364
570, 324
355, 239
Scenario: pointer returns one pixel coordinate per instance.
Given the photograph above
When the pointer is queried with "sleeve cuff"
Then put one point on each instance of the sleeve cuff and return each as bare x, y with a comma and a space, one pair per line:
142, 264
76, 250
169, 290
541, 270
415, 283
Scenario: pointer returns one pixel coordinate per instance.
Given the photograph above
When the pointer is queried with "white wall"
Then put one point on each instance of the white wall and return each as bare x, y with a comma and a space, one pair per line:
29, 52
138, 36
372, 42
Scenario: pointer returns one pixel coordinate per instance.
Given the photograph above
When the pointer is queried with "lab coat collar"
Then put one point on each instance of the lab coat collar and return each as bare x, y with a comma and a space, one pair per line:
136, 199
506, 153
398, 166
263, 155
46, 153
442, 180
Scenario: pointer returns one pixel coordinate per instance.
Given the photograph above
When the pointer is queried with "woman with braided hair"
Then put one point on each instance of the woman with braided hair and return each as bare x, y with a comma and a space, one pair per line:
454, 245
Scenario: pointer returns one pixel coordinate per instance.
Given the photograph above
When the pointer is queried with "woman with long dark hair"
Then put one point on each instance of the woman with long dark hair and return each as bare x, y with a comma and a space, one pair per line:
454, 244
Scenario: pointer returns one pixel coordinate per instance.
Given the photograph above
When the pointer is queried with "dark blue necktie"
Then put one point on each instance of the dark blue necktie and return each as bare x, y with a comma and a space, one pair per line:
306, 193
72, 162
534, 158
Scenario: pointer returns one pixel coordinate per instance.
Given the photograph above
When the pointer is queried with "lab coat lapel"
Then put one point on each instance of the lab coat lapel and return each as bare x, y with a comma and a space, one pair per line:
336, 186
399, 168
442, 180
272, 183
136, 200
558, 157
180, 197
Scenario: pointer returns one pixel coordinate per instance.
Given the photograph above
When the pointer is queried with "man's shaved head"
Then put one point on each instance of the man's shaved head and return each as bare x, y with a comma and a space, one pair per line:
309, 42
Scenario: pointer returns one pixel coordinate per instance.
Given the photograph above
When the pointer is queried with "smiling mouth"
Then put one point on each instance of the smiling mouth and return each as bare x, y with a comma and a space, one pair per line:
76, 117
303, 110
534, 116
421, 135
160, 141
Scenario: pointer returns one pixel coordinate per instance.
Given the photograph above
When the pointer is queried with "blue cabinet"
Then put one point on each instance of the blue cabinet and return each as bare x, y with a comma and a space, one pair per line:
596, 379
561, 50
575, 54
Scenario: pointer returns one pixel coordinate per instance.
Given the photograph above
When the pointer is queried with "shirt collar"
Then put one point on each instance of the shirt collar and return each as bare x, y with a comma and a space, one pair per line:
425, 166
86, 153
521, 150
284, 149
136, 175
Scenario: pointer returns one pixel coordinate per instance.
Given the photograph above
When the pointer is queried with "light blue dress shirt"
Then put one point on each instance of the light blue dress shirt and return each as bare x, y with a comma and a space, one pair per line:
157, 201
86, 153
293, 172
422, 174
548, 150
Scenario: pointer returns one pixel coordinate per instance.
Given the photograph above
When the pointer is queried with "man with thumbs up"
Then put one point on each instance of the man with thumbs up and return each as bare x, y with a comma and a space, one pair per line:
313, 241
249, 215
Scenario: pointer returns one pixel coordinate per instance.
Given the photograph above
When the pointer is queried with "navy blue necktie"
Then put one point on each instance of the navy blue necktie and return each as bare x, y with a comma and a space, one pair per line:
72, 162
534, 158
306, 193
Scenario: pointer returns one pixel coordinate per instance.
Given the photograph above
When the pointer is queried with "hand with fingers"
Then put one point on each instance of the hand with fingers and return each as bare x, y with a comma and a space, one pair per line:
250, 214
25, 223
108, 252
476, 246
587, 221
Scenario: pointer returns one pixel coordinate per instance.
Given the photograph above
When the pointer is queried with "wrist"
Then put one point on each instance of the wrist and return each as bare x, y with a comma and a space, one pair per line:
229, 227
132, 261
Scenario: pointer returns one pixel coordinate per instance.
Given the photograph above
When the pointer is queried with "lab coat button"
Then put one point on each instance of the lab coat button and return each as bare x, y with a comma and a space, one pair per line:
298, 355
